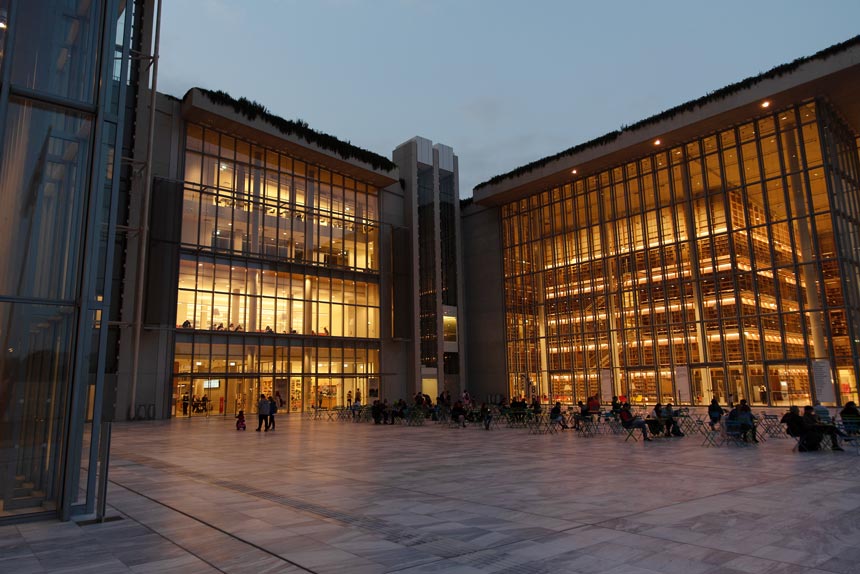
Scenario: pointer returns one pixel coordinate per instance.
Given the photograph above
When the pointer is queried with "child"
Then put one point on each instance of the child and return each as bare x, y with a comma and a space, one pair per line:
240, 421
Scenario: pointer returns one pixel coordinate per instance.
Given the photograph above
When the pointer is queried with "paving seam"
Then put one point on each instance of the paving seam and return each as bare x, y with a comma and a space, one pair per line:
203, 522
444, 548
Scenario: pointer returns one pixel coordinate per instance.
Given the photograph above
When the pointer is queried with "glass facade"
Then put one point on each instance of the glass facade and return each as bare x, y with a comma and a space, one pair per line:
724, 267
428, 311
278, 288
60, 125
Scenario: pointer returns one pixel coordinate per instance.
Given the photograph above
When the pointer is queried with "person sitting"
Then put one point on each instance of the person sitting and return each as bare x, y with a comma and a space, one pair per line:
747, 422
628, 421
655, 421
850, 416
582, 415
398, 410
458, 414
672, 428
813, 424
615, 407
269, 329
325, 331
376, 412
822, 412
186, 324
220, 327
239, 328
536, 408
793, 422
593, 404
715, 413
486, 416
555, 416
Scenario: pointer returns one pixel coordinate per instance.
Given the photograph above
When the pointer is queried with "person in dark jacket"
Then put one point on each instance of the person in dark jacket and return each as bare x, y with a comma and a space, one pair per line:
555, 416
715, 412
273, 410
262, 413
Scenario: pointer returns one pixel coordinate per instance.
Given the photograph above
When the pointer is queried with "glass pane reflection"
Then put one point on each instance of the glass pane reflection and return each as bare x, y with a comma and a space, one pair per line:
43, 176
62, 58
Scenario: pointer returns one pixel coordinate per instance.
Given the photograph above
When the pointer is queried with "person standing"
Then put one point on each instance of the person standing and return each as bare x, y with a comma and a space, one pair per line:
273, 410
263, 413
185, 405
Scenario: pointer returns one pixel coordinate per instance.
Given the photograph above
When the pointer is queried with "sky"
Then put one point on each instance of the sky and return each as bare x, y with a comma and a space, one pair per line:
503, 82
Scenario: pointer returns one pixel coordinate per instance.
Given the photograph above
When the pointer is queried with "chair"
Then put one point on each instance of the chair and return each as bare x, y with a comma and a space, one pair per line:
712, 436
631, 433
853, 441
731, 433
772, 426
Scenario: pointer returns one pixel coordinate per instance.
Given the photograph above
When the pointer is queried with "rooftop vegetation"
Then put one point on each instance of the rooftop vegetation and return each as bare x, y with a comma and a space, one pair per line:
298, 128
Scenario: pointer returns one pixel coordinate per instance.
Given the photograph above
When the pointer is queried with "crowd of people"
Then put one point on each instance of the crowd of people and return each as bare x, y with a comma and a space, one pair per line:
809, 428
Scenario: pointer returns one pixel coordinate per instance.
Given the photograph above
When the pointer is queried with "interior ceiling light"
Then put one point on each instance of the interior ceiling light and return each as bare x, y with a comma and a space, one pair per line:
765, 104
657, 142
573, 171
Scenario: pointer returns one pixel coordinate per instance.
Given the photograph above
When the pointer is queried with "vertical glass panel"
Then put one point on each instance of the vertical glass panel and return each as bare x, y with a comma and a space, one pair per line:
43, 178
35, 367
4, 24
750, 158
57, 48
194, 137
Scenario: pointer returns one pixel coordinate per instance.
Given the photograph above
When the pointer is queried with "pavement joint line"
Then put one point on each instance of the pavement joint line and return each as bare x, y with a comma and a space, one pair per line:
389, 532
765, 477
207, 524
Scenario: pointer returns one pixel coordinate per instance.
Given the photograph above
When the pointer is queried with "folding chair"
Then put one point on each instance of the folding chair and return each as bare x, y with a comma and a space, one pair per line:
711, 435
631, 433
732, 434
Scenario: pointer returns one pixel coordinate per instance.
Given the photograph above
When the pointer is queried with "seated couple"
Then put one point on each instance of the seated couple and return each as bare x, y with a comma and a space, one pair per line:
664, 417
809, 430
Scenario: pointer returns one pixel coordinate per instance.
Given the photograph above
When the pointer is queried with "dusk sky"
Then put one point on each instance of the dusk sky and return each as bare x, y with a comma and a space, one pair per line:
503, 82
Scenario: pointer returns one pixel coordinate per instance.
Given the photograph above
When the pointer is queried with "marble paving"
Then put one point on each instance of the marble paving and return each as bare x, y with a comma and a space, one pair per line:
195, 496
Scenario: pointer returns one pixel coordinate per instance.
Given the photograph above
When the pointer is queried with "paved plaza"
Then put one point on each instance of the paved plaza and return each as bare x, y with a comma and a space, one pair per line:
197, 496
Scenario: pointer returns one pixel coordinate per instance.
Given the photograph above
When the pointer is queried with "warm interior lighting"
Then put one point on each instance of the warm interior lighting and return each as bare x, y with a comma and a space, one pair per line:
657, 142
573, 171
765, 104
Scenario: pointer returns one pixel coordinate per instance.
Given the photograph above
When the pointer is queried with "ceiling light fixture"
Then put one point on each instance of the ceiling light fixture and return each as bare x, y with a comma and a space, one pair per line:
657, 142
573, 171
765, 104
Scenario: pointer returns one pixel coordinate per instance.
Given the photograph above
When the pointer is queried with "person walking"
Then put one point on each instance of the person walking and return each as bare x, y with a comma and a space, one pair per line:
273, 410
263, 413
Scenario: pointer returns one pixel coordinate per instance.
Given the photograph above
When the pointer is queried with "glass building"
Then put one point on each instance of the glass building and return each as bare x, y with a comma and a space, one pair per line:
713, 254
62, 95
265, 273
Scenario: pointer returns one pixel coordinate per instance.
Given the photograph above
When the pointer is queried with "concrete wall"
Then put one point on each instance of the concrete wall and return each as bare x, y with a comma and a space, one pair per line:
396, 356
486, 368
156, 345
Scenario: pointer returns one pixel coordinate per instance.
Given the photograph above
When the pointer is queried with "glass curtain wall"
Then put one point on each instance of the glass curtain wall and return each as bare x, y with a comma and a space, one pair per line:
710, 269
427, 268
278, 281
62, 67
